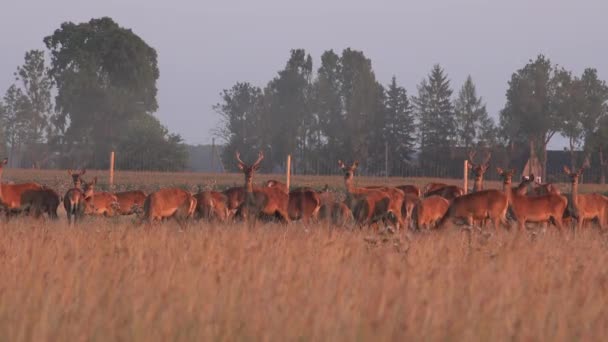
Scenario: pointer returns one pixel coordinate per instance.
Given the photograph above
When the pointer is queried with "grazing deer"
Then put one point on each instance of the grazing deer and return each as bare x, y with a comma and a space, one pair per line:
478, 170
265, 200
332, 209
212, 205
169, 203
367, 205
98, 203
429, 211
449, 192
130, 202
430, 187
410, 190
41, 201
483, 204
304, 203
541, 208
74, 198
235, 197
586, 206
10, 199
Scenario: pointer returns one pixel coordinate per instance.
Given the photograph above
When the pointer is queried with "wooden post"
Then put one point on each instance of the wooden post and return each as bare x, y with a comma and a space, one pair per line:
466, 176
112, 169
288, 170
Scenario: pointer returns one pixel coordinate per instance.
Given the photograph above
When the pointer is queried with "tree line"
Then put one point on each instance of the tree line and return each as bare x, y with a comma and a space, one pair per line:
95, 95
340, 111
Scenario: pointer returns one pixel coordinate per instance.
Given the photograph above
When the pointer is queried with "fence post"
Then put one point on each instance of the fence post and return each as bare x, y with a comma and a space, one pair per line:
466, 176
112, 169
288, 170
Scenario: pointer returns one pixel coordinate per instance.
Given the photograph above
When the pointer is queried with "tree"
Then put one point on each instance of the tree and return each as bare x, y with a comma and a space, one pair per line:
106, 76
241, 122
567, 104
15, 113
399, 126
150, 146
435, 113
528, 115
595, 117
474, 126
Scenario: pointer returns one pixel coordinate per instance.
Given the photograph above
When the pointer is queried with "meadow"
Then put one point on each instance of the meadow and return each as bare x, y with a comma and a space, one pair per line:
110, 280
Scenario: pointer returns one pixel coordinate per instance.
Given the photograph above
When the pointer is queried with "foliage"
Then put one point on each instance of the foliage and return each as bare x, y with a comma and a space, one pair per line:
474, 126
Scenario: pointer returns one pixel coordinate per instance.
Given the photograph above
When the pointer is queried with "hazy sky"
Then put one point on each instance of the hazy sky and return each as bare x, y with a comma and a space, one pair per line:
206, 46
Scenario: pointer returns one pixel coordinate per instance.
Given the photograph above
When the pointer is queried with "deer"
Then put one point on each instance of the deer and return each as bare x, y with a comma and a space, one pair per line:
541, 208
429, 211
585, 206
449, 192
212, 205
168, 203
433, 186
261, 200
39, 201
74, 198
367, 205
483, 204
99, 203
130, 202
10, 198
332, 209
478, 170
235, 196
304, 203
409, 190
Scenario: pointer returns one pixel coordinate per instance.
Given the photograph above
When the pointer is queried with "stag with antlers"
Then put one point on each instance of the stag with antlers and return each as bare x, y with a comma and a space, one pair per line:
269, 201
478, 169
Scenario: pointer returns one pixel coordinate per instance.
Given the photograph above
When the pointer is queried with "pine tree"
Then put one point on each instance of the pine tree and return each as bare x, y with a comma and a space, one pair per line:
399, 127
472, 120
435, 113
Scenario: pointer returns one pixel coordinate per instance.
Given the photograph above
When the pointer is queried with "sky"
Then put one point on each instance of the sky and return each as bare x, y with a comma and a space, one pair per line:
206, 46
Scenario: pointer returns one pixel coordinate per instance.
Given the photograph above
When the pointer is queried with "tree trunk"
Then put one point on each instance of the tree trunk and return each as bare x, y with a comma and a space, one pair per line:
532, 156
602, 166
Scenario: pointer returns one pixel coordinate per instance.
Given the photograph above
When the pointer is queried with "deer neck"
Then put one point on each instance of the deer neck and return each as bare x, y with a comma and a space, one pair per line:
478, 185
574, 192
350, 187
248, 185
508, 191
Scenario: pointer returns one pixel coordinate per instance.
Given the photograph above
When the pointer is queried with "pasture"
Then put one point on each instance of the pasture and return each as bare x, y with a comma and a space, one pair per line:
108, 279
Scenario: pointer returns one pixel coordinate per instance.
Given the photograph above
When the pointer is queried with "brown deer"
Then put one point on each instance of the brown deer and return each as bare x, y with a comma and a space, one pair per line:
449, 192
269, 201
409, 190
332, 209
585, 206
429, 211
483, 204
430, 187
98, 203
130, 202
367, 205
235, 197
40, 201
169, 203
10, 198
212, 205
541, 208
478, 170
74, 198
304, 203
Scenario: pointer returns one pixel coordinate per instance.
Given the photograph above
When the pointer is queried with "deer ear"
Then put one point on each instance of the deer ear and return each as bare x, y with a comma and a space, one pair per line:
469, 166
567, 170
83, 172
499, 170
356, 164
241, 166
70, 172
340, 164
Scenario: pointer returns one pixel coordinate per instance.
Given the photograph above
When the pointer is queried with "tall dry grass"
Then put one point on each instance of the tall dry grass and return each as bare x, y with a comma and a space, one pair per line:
108, 280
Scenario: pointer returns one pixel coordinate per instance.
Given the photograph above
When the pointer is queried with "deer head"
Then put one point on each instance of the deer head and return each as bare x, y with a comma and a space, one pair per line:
574, 176
481, 168
76, 177
89, 188
249, 170
349, 171
506, 175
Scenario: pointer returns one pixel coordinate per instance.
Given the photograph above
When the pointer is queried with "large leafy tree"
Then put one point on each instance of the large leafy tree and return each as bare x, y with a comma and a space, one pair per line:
436, 119
528, 115
106, 76
15, 111
567, 104
595, 117
474, 126
399, 126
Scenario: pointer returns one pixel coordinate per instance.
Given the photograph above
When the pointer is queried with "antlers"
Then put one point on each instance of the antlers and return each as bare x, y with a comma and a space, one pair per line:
80, 173
255, 165
343, 166
485, 161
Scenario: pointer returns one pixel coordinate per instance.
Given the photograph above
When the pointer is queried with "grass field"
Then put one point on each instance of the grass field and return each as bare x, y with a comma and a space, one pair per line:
110, 280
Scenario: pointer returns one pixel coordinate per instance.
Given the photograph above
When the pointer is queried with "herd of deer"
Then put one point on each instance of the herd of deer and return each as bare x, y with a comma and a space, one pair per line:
402, 206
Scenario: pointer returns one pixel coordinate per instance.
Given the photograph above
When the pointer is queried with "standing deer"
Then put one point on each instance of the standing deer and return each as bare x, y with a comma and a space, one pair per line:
169, 203
367, 205
212, 205
409, 190
433, 186
333, 210
130, 202
429, 211
304, 203
268, 201
73, 200
585, 206
449, 192
478, 169
99, 203
535, 208
483, 204
39, 201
